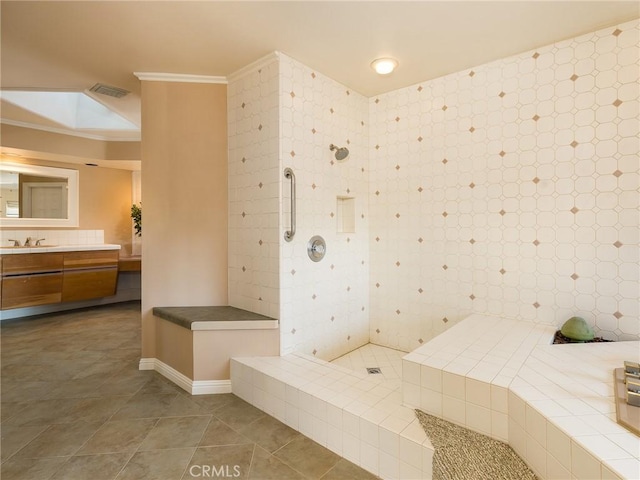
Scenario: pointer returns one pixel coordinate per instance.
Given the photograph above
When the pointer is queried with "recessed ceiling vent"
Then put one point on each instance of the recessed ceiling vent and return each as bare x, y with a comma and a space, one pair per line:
103, 89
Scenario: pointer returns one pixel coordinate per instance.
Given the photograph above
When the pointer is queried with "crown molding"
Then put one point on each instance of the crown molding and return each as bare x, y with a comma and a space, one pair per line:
179, 77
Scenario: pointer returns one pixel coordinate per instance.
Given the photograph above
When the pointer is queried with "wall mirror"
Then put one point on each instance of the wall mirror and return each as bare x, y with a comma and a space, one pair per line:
38, 196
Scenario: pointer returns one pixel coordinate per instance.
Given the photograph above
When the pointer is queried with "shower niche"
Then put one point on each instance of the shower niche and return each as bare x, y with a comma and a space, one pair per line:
346, 214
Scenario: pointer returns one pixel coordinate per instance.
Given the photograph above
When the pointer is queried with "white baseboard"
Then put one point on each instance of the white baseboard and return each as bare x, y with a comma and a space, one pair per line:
194, 387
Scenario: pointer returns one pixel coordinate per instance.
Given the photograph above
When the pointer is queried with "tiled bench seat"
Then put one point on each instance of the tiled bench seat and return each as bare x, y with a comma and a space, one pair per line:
552, 403
356, 416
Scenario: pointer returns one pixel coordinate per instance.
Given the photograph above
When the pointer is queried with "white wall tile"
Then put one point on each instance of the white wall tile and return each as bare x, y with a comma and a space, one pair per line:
482, 220
478, 418
431, 401
583, 464
454, 410
500, 426
536, 457
351, 447
517, 409
536, 425
369, 458
431, 378
478, 393
453, 385
559, 445
499, 399
389, 466
555, 470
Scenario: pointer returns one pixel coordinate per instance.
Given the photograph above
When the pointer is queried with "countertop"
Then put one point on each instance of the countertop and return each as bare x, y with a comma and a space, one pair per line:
57, 248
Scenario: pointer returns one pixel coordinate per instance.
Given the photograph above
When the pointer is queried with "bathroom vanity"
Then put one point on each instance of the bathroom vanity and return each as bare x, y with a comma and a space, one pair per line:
33, 276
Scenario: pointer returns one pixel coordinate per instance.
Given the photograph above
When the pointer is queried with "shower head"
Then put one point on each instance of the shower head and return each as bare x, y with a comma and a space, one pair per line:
341, 152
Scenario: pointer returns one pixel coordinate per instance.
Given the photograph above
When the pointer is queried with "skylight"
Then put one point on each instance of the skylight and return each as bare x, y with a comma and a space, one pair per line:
74, 110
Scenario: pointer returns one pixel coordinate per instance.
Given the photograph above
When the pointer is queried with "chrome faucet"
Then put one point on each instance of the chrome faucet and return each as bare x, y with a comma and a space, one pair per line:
39, 240
16, 243
28, 242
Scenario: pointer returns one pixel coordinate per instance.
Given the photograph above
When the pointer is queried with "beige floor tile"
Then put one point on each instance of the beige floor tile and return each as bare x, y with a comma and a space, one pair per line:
345, 469
213, 403
238, 413
75, 405
30, 468
157, 465
14, 437
119, 436
97, 409
307, 457
183, 405
145, 406
158, 386
175, 432
265, 466
92, 467
119, 384
269, 433
9, 409
19, 391
232, 461
219, 433
79, 388
59, 440
44, 412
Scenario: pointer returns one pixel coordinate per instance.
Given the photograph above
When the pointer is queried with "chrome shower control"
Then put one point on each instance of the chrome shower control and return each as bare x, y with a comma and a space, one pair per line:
316, 248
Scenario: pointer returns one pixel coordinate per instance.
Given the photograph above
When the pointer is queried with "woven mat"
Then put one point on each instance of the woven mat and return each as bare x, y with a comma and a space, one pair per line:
461, 454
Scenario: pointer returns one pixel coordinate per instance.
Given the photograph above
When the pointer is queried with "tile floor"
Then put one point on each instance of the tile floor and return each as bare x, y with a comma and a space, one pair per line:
75, 406
387, 359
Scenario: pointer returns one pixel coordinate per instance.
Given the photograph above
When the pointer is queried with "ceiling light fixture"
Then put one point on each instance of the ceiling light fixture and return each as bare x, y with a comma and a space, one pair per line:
384, 66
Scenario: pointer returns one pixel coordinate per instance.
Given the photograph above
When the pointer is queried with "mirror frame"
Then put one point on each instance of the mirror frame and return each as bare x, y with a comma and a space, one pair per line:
73, 182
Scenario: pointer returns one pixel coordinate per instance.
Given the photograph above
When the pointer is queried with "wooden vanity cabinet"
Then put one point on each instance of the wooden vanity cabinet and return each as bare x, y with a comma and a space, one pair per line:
90, 274
33, 279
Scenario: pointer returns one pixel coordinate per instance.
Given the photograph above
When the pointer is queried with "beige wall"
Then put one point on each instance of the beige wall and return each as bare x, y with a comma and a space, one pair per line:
174, 346
105, 201
206, 355
213, 350
184, 181
105, 204
57, 144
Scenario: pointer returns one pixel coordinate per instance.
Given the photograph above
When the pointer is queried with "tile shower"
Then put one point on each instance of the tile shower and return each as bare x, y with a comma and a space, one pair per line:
507, 189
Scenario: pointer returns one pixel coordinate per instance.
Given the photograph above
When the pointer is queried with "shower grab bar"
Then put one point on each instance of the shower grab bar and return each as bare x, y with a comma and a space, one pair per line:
289, 234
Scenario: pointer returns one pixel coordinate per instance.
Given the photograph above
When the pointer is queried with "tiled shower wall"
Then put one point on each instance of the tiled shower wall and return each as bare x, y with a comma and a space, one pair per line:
509, 189
254, 188
324, 305
283, 114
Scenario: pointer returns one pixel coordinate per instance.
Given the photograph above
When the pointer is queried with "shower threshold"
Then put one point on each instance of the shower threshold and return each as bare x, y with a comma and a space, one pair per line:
356, 415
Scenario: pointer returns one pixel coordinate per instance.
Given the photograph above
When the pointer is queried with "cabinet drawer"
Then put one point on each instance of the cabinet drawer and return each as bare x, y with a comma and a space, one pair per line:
91, 259
31, 290
31, 263
89, 283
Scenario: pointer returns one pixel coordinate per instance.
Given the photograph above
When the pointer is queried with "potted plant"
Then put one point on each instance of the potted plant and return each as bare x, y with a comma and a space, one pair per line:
136, 215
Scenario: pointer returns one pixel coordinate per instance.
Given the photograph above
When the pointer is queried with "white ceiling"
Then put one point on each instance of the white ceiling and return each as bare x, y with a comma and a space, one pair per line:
53, 45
